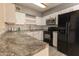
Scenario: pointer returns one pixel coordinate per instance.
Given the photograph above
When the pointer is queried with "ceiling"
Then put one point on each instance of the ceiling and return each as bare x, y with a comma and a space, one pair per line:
37, 8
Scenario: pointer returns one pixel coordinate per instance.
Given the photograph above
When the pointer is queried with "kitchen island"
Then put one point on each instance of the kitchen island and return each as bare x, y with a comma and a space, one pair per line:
21, 44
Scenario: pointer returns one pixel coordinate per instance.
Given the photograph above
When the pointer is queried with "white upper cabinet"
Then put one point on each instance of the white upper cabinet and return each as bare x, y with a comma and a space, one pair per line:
40, 21
30, 20
20, 18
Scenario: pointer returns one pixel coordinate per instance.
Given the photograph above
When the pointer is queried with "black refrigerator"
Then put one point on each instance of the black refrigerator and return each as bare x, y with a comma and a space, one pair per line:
68, 33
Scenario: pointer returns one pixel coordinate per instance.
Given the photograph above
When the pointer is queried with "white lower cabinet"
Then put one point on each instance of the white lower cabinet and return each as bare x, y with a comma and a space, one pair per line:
55, 38
39, 35
30, 33
36, 34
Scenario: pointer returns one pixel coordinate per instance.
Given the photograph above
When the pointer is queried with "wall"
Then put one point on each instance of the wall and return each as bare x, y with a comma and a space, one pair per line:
28, 10
2, 26
10, 16
7, 14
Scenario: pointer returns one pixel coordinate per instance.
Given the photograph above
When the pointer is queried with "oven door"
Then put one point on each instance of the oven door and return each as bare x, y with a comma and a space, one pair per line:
48, 37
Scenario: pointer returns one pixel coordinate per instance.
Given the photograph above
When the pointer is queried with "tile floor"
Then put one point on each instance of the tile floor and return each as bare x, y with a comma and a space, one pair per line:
53, 52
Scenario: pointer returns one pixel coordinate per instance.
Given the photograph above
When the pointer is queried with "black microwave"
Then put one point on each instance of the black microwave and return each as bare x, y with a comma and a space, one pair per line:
51, 22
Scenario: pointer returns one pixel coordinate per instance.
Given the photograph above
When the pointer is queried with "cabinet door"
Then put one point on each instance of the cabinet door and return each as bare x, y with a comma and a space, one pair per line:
10, 12
55, 39
20, 18
30, 33
40, 21
38, 35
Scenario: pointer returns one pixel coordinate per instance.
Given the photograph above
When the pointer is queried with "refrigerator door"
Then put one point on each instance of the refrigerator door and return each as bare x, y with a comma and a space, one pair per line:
62, 33
73, 47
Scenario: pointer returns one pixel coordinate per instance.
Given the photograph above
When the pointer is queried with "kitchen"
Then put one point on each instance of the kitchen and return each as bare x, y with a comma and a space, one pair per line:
26, 30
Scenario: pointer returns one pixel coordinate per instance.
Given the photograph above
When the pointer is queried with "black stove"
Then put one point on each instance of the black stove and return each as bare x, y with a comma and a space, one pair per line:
48, 35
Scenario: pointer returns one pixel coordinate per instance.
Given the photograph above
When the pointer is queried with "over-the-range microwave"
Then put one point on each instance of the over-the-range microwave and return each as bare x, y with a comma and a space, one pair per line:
51, 21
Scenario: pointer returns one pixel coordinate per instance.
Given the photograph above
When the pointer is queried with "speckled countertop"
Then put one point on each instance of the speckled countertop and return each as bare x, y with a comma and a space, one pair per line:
19, 44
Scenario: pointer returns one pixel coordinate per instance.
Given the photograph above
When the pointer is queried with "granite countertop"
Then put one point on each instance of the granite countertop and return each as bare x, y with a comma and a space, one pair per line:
19, 44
